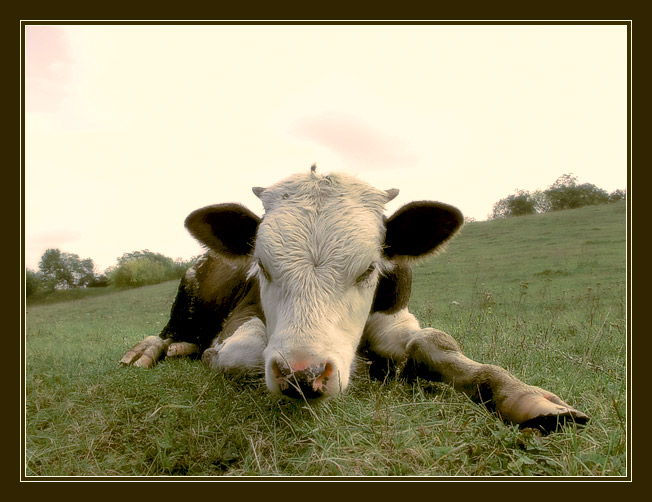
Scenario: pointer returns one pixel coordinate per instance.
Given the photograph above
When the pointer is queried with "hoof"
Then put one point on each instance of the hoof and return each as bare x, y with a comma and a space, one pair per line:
552, 423
542, 410
146, 353
180, 349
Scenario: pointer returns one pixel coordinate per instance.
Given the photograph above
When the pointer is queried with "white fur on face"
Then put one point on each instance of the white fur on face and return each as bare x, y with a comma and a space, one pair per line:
318, 256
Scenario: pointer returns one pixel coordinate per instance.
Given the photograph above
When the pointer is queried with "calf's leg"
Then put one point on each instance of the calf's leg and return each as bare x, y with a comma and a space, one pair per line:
434, 355
241, 352
146, 353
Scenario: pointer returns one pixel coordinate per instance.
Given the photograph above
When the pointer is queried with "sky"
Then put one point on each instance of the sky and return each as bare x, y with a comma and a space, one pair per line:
129, 128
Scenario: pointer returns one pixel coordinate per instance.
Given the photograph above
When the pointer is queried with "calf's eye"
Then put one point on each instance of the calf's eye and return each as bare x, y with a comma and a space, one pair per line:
366, 274
264, 271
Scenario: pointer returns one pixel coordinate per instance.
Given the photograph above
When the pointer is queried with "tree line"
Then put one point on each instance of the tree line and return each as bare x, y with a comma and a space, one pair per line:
60, 270
565, 193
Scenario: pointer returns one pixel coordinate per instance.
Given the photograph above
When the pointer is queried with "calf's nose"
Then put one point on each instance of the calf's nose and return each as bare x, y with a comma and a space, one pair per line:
302, 381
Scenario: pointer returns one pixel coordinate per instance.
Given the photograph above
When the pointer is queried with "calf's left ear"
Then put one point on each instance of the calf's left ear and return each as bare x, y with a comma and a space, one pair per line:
228, 229
420, 228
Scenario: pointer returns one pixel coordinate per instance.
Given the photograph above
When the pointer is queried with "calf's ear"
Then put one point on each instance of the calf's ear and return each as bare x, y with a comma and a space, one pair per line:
228, 229
420, 228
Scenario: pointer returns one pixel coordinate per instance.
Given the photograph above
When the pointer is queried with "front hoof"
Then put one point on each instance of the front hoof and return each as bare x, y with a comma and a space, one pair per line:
145, 354
542, 410
552, 423
180, 349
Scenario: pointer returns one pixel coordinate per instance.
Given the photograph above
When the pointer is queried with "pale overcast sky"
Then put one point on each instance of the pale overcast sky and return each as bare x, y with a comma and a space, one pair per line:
130, 128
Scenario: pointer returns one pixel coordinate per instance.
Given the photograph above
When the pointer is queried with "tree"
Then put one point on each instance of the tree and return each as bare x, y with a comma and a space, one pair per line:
60, 270
617, 195
541, 202
54, 272
518, 204
566, 193
83, 271
565, 180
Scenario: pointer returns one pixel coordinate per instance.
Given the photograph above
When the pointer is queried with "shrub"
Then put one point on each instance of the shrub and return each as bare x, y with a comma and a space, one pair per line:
566, 193
138, 272
617, 195
141, 268
32, 283
518, 204
101, 281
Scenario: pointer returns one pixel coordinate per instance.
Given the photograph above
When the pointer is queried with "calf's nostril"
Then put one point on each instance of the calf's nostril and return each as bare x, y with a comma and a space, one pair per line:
280, 370
322, 379
307, 382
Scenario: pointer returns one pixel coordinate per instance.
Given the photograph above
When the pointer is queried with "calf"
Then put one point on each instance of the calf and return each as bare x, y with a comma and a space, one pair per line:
320, 281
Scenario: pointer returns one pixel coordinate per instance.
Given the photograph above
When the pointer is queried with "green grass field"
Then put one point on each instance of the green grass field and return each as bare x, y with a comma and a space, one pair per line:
543, 296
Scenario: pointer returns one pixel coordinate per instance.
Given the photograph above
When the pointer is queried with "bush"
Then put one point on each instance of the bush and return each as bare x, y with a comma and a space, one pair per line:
101, 281
32, 283
617, 195
141, 268
138, 272
518, 204
566, 193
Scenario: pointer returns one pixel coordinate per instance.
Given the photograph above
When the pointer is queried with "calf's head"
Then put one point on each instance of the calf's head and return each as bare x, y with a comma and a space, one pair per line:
319, 252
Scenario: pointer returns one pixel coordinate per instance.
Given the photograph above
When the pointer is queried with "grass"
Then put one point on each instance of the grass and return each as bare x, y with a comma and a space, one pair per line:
66, 295
543, 296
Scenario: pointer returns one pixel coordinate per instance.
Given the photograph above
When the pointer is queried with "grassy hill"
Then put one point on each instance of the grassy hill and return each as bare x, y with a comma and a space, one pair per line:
543, 296
556, 279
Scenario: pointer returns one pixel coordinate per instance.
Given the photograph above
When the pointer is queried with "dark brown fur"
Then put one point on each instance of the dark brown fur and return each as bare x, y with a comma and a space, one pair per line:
210, 298
216, 298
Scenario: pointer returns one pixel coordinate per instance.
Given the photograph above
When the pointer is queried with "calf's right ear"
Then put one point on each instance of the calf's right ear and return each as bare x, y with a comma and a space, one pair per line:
228, 229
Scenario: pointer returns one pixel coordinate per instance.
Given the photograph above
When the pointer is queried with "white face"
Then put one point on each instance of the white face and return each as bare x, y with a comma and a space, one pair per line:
318, 257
